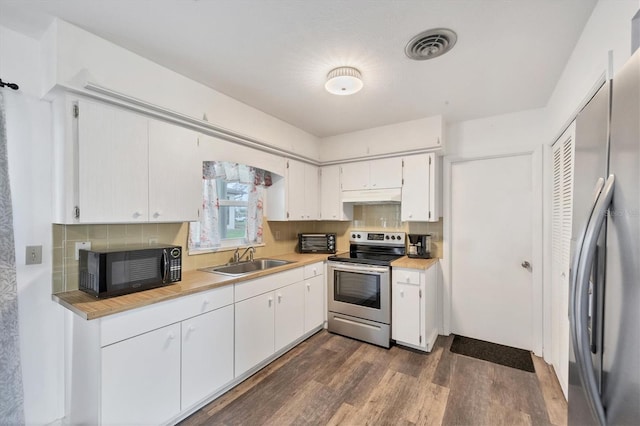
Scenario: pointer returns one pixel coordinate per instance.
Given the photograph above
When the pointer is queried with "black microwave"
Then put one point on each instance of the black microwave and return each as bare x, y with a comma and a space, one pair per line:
118, 271
316, 243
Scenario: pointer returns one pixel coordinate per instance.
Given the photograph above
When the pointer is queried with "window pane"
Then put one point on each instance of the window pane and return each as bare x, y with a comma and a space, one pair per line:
233, 191
233, 222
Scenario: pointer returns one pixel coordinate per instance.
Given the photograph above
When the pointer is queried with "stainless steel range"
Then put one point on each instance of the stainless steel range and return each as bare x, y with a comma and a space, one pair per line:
359, 286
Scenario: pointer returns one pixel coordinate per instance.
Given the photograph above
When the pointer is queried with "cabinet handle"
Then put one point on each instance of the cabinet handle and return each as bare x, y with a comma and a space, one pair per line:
408, 279
270, 300
309, 286
171, 336
401, 293
206, 301
136, 215
279, 298
157, 214
373, 184
192, 328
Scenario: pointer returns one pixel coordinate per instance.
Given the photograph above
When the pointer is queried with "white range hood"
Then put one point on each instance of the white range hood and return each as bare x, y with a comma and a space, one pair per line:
373, 196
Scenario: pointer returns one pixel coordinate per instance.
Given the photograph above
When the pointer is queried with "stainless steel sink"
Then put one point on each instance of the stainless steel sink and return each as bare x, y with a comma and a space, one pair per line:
242, 268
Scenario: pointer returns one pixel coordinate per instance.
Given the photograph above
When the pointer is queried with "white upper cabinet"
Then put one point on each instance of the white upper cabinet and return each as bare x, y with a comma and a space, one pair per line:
420, 191
175, 173
331, 206
296, 196
116, 166
113, 174
373, 174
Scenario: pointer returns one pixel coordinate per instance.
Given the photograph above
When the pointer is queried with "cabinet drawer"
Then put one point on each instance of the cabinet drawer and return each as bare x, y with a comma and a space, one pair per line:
132, 323
313, 270
247, 289
407, 276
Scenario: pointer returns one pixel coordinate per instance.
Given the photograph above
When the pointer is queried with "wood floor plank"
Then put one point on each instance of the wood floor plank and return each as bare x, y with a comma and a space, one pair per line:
443, 372
340, 417
428, 404
551, 392
470, 385
498, 414
519, 390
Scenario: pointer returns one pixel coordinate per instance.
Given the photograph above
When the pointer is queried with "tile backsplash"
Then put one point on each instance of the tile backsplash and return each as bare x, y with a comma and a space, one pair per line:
279, 238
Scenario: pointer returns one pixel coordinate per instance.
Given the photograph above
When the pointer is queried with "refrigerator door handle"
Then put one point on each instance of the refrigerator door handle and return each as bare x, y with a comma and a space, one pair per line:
580, 302
578, 247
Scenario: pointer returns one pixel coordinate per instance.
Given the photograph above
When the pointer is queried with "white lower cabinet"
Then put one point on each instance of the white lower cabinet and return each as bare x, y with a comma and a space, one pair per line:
141, 378
254, 331
207, 354
289, 315
413, 307
314, 311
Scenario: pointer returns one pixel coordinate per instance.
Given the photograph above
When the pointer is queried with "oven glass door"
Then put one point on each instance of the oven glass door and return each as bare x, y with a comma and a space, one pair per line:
357, 288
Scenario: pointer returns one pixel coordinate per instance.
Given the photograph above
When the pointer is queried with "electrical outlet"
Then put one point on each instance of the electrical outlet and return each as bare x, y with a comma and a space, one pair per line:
277, 236
33, 255
86, 245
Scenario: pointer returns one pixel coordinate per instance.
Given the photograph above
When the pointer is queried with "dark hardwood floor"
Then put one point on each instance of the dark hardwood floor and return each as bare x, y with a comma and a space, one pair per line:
334, 380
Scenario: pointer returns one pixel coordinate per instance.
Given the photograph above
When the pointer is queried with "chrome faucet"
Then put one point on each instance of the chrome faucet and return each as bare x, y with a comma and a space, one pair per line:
237, 256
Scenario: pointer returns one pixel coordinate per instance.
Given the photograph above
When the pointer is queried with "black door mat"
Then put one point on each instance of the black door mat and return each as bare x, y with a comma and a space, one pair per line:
492, 352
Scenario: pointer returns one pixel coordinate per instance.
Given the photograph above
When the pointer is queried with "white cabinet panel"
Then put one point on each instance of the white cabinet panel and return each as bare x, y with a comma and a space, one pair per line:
374, 174
289, 316
331, 207
254, 331
355, 176
296, 190
420, 196
385, 173
314, 293
312, 192
207, 354
141, 378
175, 173
112, 165
406, 313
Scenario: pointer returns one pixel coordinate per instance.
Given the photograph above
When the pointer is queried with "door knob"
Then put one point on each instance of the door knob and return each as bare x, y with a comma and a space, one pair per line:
525, 264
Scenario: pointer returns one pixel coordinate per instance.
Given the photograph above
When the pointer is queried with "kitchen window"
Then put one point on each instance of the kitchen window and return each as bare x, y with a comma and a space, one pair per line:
232, 207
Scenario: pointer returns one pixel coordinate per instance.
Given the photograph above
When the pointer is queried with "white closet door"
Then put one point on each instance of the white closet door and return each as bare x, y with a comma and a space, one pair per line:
561, 221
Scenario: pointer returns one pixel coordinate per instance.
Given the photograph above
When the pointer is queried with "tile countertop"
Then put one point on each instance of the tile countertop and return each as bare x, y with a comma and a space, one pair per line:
412, 263
89, 307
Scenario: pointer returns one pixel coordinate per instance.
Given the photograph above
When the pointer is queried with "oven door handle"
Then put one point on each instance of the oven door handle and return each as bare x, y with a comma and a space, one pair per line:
338, 266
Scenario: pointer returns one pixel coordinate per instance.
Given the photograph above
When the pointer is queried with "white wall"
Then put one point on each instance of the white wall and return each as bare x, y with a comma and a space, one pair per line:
81, 56
29, 146
399, 137
608, 28
502, 134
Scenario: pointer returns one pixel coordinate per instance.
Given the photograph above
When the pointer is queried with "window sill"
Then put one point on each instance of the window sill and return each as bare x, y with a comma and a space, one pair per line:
195, 252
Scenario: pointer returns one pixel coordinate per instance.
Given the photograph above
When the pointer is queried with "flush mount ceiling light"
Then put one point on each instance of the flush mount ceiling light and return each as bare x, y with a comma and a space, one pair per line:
344, 81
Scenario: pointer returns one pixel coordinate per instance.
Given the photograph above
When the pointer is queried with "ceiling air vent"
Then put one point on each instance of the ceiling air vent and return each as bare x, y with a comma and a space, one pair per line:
430, 44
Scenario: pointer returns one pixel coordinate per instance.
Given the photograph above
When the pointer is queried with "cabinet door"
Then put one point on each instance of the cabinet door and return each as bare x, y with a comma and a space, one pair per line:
175, 173
385, 173
355, 176
296, 190
311, 194
113, 176
313, 302
289, 323
141, 378
254, 331
331, 207
405, 312
207, 354
416, 188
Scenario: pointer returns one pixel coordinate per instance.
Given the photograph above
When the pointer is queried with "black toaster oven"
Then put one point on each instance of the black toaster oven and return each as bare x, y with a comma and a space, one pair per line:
316, 243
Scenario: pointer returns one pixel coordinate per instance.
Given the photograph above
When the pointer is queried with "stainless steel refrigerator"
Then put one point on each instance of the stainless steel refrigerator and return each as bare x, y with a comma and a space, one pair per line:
604, 300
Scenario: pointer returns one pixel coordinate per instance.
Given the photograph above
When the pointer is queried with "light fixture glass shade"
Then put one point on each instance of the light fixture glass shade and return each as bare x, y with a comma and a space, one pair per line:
344, 81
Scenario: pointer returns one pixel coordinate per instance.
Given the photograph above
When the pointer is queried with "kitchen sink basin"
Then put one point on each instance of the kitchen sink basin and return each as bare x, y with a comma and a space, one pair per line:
242, 268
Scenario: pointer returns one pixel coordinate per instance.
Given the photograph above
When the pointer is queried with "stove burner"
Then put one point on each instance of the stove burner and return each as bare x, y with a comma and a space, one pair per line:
373, 248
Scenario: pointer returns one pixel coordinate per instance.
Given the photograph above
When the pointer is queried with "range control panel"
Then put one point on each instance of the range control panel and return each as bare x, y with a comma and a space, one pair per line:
377, 238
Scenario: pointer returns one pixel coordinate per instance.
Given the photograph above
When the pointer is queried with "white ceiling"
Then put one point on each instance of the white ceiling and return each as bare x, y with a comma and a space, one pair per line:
275, 54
